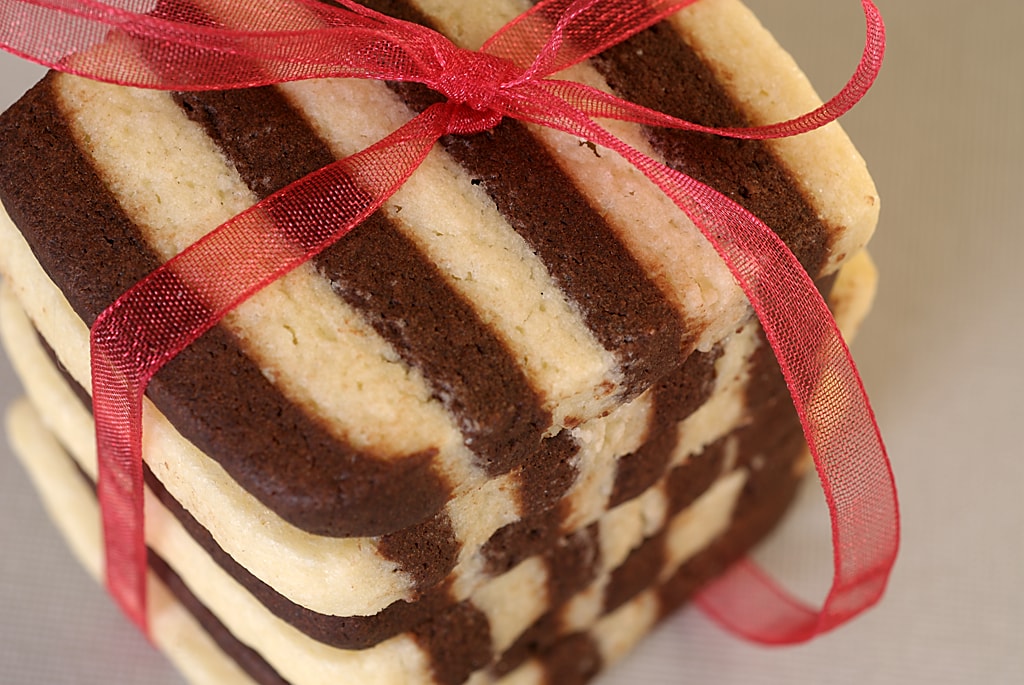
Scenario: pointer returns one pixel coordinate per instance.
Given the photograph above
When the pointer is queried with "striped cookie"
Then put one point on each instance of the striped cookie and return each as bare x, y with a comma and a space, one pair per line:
544, 363
651, 434
557, 568
460, 645
546, 535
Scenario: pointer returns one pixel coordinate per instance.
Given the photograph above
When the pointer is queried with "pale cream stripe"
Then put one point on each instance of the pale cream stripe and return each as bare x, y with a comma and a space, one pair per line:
582, 610
623, 526
603, 441
727, 406
688, 533
176, 186
519, 597
514, 601
530, 673
620, 631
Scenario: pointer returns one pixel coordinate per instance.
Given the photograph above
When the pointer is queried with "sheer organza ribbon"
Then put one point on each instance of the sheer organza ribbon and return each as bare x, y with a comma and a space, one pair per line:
173, 46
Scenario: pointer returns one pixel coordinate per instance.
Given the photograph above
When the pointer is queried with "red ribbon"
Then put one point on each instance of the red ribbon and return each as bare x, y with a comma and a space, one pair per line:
264, 43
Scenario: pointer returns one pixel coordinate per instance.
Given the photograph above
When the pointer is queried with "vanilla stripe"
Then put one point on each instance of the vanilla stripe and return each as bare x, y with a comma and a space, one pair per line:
383, 276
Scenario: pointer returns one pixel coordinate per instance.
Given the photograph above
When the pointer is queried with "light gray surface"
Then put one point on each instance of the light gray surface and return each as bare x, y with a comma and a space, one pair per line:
942, 133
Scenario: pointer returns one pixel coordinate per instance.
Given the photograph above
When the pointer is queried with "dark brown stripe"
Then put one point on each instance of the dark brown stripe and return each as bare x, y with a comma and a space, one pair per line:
298, 469
547, 476
531, 643
638, 572
574, 660
381, 273
657, 69
675, 397
515, 542
627, 313
776, 431
572, 564
458, 641
692, 478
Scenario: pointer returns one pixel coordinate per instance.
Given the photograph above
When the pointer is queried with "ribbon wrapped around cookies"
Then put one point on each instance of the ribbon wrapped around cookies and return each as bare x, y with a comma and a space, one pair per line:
178, 46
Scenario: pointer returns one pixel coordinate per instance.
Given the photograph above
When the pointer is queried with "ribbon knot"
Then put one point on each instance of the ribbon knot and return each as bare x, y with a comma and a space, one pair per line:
481, 87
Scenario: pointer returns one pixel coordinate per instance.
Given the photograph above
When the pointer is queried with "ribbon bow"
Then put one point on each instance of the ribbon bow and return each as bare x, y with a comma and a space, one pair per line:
177, 47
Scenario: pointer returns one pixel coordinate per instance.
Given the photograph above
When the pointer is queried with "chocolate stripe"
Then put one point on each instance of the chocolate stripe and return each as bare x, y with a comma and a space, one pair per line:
645, 69
211, 392
458, 641
626, 312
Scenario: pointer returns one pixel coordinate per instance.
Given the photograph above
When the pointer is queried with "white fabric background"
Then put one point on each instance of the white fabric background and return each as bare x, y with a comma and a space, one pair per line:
940, 355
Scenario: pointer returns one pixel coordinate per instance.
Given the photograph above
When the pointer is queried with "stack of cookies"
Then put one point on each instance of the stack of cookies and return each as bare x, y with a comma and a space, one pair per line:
496, 433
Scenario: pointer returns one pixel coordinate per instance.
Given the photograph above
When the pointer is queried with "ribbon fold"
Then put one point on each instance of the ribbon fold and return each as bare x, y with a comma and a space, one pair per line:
258, 44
